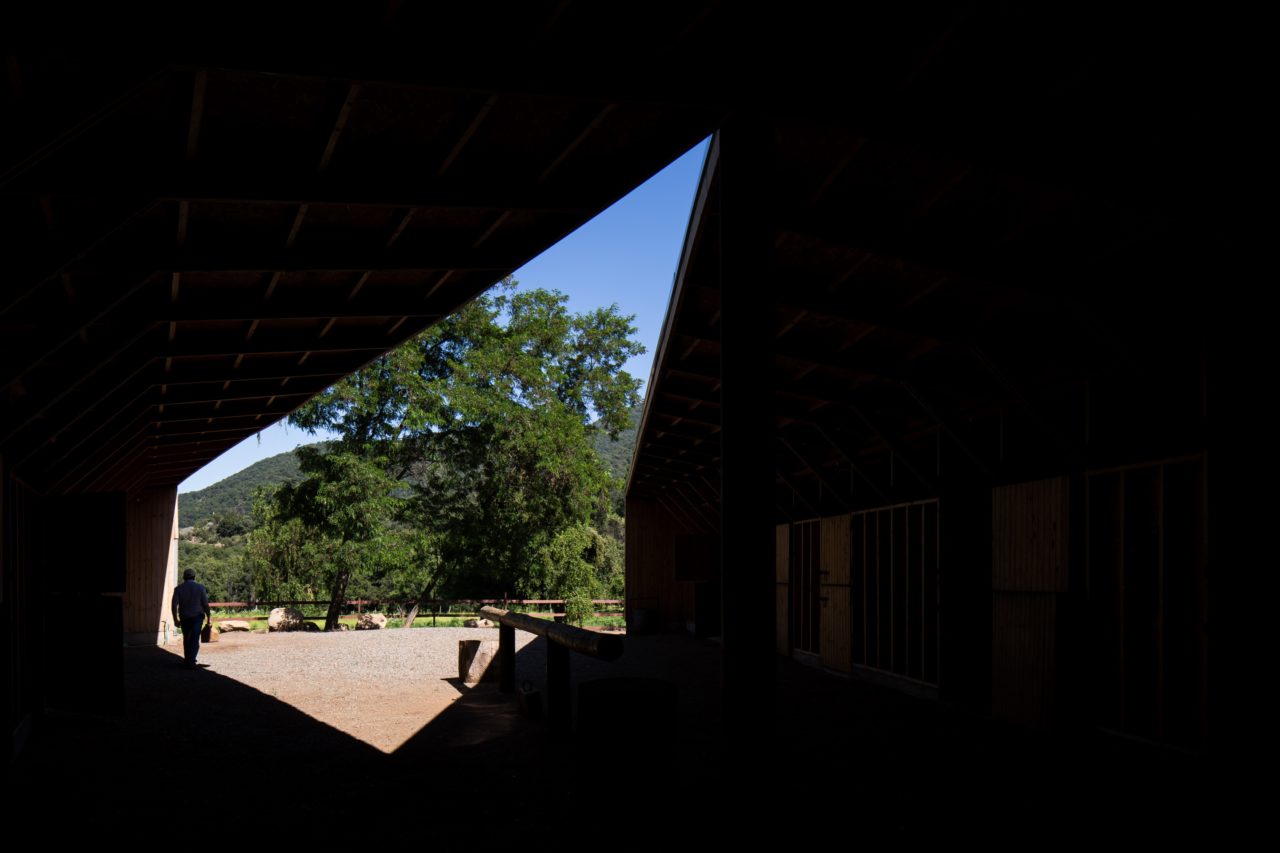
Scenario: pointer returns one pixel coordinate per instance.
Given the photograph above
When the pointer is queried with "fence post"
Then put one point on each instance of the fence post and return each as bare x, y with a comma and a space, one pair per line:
506, 659
559, 701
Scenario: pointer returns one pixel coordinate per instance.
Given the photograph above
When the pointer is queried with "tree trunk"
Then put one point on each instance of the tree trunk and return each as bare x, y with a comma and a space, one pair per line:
335, 600
417, 605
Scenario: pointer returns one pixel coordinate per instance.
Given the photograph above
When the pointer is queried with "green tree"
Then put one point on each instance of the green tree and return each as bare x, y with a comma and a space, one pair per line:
488, 418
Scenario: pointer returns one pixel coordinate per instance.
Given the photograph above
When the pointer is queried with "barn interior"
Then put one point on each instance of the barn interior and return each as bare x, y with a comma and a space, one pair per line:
946, 402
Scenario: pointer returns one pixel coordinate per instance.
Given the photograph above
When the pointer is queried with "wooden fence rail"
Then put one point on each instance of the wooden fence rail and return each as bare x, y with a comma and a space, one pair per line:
561, 639
436, 606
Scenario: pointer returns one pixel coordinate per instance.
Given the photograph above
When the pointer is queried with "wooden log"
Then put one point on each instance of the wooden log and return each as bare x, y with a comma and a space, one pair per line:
507, 659
604, 646
475, 661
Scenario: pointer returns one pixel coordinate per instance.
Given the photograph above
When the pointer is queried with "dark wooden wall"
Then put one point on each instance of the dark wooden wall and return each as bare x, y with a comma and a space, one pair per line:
782, 577
1030, 533
1148, 588
836, 621
84, 578
21, 616
656, 597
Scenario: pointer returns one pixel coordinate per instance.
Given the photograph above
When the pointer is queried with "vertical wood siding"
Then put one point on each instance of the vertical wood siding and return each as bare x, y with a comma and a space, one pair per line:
836, 626
1029, 542
805, 588
1029, 570
1023, 651
1147, 617
22, 605
650, 560
781, 562
151, 562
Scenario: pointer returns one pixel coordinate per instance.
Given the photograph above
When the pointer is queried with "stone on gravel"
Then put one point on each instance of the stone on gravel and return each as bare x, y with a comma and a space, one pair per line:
286, 619
228, 625
371, 621
478, 623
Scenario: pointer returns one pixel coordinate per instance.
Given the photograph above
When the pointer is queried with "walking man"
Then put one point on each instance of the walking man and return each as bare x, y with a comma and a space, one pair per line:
190, 607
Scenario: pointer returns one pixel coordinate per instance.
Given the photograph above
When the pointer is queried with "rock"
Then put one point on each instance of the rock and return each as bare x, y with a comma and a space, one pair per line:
371, 621
311, 626
226, 626
342, 626
478, 623
476, 661
286, 619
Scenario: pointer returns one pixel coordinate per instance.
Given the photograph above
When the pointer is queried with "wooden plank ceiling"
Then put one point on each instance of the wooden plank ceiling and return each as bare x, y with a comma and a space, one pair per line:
197, 243
198, 239
984, 267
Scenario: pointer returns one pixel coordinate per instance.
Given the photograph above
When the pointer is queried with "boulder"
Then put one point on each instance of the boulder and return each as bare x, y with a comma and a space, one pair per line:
286, 619
479, 623
476, 661
226, 626
371, 621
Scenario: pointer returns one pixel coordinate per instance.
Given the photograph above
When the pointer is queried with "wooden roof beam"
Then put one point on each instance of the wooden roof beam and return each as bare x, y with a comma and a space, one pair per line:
880, 494
846, 361
199, 344
134, 353
786, 481
339, 125
213, 426
200, 84
836, 493
690, 415
680, 515
218, 410
482, 110
182, 384
363, 188
86, 469
670, 461
241, 259
694, 457
933, 412
705, 518
26, 352
596, 117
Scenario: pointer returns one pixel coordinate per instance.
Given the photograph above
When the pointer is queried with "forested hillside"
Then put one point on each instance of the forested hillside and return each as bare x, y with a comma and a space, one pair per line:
234, 495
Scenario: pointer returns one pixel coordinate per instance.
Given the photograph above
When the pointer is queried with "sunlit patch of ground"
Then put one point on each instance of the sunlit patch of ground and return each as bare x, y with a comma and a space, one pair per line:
380, 687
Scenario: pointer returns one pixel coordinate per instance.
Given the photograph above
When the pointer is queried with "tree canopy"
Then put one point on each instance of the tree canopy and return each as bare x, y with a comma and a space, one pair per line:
466, 454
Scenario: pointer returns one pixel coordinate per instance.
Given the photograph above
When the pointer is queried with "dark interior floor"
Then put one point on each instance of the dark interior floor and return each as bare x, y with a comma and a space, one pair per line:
842, 753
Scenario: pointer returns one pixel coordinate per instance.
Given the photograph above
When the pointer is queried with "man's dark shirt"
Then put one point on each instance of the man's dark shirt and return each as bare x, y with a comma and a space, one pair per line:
192, 599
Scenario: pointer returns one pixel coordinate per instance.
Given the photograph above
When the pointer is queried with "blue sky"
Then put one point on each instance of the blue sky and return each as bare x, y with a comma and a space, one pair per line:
626, 255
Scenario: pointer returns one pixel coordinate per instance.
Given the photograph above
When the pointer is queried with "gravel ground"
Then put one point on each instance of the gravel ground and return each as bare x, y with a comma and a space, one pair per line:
380, 687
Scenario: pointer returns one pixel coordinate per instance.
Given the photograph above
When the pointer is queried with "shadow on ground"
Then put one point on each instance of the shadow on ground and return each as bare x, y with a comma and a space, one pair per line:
841, 753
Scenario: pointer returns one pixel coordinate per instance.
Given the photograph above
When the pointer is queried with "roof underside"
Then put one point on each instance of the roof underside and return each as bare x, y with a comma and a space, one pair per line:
197, 240
197, 246
1009, 261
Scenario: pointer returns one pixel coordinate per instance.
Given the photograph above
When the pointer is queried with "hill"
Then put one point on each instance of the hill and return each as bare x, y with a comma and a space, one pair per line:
617, 454
235, 493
